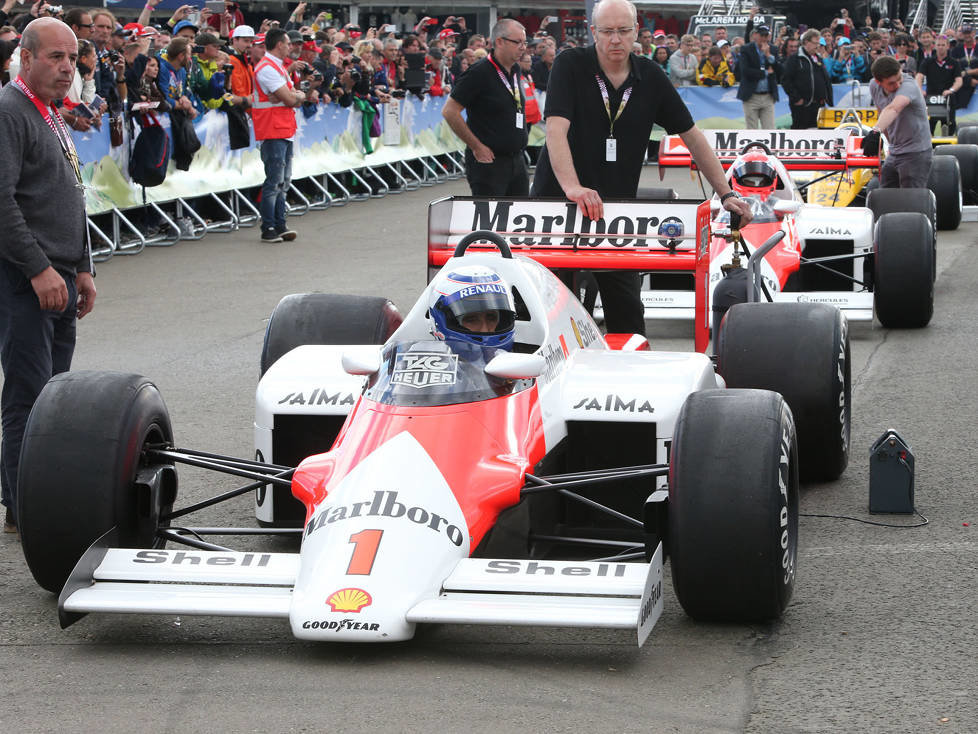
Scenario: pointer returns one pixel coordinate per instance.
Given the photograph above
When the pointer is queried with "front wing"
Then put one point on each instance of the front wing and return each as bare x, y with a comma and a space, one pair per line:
478, 591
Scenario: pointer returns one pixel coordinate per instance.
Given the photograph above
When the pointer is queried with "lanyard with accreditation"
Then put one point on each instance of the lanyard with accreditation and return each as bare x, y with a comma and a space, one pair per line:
611, 145
58, 127
513, 89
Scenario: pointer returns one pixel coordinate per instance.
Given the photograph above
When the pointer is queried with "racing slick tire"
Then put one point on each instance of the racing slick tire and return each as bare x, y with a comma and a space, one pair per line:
903, 275
83, 446
967, 135
800, 350
967, 157
891, 201
945, 181
886, 201
326, 318
733, 505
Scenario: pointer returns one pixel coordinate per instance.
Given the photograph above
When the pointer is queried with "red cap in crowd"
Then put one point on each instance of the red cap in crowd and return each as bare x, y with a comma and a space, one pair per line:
311, 46
447, 33
260, 39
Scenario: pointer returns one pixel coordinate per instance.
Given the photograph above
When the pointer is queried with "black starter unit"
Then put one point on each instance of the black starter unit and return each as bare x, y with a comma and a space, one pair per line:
891, 475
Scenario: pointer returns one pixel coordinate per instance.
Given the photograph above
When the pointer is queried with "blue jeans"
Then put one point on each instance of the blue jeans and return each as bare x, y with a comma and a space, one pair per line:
277, 157
35, 345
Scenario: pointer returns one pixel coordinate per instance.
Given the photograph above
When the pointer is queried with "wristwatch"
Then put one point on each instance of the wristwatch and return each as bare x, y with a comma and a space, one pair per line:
729, 195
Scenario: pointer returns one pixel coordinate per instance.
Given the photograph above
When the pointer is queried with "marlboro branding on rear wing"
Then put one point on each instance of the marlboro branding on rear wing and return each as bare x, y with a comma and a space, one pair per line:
797, 149
647, 236
632, 235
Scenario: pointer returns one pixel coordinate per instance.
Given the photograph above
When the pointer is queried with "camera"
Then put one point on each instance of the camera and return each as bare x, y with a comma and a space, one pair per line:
317, 76
305, 86
55, 9
114, 57
198, 49
228, 69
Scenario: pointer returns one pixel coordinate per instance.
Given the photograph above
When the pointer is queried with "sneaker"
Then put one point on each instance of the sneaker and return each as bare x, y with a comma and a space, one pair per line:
271, 236
9, 524
286, 234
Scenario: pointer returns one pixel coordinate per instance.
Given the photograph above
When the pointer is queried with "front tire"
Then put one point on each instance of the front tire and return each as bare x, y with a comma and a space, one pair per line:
733, 506
903, 277
800, 350
83, 447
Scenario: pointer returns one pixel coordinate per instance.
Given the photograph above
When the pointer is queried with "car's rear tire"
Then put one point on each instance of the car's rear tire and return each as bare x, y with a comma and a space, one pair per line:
967, 134
899, 201
83, 446
903, 276
800, 350
945, 181
326, 318
888, 201
733, 506
318, 318
967, 157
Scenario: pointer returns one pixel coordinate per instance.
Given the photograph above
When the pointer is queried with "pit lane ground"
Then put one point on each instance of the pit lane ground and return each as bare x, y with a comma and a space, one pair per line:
880, 635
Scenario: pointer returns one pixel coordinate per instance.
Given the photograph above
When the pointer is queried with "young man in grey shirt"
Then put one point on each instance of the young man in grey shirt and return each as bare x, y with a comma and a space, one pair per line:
903, 117
45, 264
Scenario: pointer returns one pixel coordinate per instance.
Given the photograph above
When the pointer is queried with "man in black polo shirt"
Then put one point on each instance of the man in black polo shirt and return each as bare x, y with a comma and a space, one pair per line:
496, 129
941, 75
601, 105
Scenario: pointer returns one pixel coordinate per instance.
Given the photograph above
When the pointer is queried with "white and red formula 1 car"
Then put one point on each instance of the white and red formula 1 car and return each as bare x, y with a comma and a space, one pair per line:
527, 474
880, 257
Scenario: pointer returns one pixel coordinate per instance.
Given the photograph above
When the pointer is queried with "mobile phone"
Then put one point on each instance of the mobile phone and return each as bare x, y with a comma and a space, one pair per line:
215, 6
81, 110
390, 28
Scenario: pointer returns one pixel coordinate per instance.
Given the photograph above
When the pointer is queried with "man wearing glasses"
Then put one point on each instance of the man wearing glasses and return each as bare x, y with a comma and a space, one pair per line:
495, 130
601, 105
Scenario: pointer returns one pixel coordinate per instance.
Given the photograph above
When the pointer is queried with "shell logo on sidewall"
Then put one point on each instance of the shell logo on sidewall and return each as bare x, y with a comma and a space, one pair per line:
348, 600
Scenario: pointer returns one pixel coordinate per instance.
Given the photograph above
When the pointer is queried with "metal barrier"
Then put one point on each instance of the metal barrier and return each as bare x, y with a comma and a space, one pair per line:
114, 233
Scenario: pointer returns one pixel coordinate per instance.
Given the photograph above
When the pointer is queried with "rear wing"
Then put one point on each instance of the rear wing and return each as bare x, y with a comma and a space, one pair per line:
644, 236
805, 150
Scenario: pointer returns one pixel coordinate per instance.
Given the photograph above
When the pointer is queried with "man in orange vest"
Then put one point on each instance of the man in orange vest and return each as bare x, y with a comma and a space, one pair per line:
275, 98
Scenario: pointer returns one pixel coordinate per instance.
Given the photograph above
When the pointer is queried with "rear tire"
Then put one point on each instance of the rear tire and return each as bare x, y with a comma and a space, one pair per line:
733, 506
967, 157
318, 318
967, 134
800, 350
945, 182
83, 447
325, 318
903, 290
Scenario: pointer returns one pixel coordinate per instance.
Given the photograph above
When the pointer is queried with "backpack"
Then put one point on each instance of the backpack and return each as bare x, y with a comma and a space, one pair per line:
150, 155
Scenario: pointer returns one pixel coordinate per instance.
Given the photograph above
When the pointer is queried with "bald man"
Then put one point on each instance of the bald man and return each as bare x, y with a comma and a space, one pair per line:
45, 264
601, 104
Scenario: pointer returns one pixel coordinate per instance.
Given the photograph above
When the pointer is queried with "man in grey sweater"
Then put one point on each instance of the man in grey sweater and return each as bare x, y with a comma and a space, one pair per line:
45, 262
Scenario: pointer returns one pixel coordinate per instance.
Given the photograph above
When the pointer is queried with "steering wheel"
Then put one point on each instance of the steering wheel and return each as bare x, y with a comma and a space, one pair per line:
487, 235
755, 144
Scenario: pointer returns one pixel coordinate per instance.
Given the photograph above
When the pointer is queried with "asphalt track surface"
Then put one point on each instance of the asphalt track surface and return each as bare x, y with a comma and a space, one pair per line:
880, 634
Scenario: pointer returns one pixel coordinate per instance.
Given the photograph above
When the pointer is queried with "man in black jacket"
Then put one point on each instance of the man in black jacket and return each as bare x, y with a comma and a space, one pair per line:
806, 82
757, 71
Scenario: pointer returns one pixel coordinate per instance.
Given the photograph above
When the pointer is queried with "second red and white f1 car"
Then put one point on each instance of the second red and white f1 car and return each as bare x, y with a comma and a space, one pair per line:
520, 472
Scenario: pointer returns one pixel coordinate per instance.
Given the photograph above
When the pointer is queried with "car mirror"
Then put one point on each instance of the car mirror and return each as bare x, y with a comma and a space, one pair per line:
364, 363
787, 206
510, 366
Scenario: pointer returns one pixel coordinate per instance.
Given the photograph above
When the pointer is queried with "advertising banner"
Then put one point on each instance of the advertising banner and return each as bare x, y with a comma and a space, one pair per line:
329, 141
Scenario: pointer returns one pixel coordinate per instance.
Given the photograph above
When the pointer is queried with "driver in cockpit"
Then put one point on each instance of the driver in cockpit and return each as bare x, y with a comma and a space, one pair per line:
472, 311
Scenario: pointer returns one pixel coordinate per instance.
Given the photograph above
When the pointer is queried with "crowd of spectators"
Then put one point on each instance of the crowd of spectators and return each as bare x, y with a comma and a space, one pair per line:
197, 60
